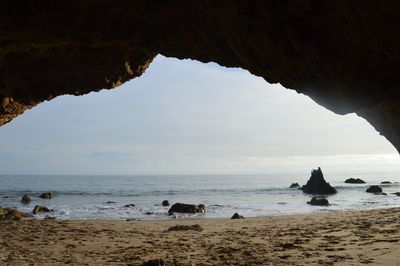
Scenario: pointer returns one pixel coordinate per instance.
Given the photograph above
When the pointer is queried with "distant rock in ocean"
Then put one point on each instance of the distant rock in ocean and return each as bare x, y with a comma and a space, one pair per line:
46, 195
26, 199
374, 189
318, 201
165, 203
386, 182
397, 194
294, 185
354, 181
317, 184
129, 205
187, 208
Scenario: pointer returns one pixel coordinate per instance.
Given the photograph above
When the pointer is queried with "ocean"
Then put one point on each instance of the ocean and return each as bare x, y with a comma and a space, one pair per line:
104, 197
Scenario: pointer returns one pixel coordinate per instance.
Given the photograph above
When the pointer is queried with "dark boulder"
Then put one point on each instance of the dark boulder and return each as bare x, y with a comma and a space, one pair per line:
26, 199
129, 205
397, 194
318, 202
39, 209
187, 208
317, 184
156, 262
374, 189
386, 182
237, 216
46, 195
354, 181
294, 185
165, 203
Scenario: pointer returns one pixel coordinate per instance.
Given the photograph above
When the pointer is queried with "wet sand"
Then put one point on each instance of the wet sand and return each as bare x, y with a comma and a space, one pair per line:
334, 238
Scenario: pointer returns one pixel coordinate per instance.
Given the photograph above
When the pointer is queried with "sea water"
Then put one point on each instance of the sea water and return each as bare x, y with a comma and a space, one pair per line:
104, 197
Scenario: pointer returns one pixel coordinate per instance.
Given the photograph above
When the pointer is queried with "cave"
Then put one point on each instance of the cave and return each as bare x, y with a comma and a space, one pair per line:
342, 55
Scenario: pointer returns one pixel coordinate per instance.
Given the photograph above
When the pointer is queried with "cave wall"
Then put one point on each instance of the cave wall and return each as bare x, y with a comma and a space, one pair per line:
343, 54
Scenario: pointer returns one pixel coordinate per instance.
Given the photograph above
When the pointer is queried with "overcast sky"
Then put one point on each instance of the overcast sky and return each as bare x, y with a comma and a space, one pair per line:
185, 117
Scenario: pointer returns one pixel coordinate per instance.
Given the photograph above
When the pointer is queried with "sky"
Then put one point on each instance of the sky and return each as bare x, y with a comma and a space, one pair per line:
187, 117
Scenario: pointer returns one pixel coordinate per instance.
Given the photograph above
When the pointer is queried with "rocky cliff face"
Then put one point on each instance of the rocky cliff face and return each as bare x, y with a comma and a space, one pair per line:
343, 54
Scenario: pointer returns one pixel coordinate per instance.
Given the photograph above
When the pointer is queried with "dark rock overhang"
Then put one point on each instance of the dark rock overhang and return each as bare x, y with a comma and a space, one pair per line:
343, 54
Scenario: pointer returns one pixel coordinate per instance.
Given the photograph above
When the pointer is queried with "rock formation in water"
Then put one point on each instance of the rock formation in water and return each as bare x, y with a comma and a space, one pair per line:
26, 199
317, 184
39, 209
318, 202
354, 181
46, 195
374, 189
344, 55
187, 208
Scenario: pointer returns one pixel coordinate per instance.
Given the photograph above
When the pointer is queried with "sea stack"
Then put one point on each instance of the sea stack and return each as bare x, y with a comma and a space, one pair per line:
317, 184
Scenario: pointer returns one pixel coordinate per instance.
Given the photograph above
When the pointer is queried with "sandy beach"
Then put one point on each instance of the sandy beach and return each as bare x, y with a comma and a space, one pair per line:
334, 238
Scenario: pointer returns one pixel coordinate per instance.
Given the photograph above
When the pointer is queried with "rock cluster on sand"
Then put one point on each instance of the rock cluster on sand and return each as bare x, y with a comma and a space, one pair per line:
187, 208
12, 214
165, 203
317, 184
39, 209
46, 195
318, 201
183, 227
354, 181
26, 199
237, 216
374, 189
294, 185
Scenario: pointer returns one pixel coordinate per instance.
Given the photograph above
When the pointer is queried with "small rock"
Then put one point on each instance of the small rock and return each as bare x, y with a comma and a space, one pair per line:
165, 203
110, 202
187, 208
26, 199
156, 262
386, 182
39, 209
397, 194
237, 216
129, 205
294, 185
46, 195
318, 202
149, 213
317, 184
374, 189
354, 181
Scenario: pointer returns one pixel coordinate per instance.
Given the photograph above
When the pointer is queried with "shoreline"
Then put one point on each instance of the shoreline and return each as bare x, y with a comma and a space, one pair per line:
329, 238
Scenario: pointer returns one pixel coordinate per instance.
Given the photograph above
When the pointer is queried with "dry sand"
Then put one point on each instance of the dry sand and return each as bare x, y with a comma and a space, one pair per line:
335, 238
